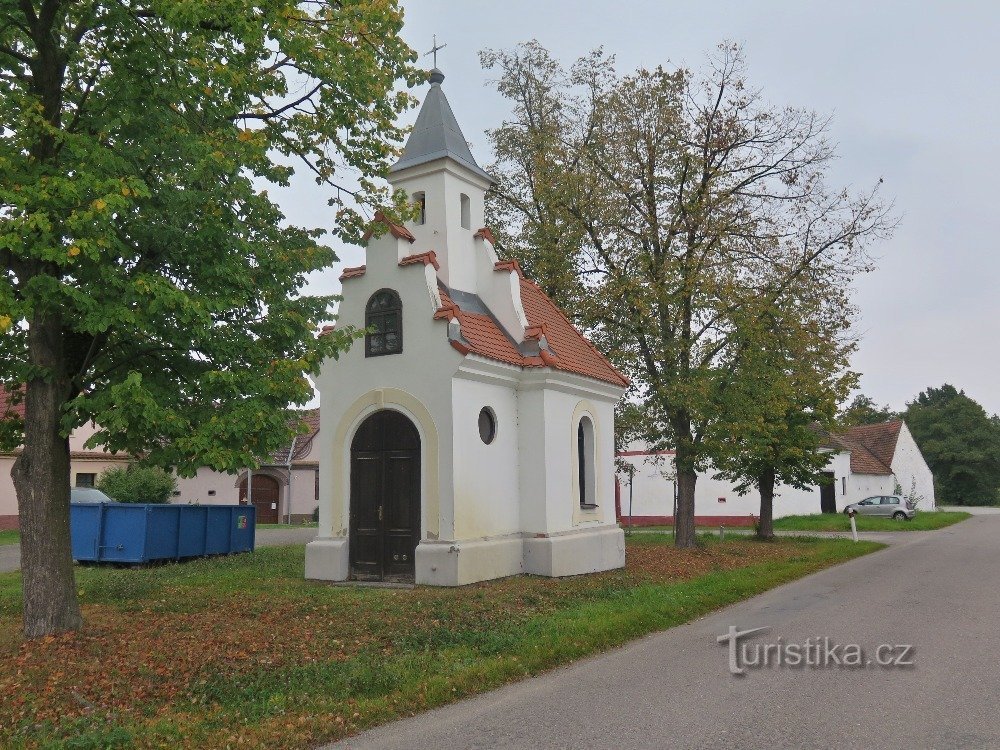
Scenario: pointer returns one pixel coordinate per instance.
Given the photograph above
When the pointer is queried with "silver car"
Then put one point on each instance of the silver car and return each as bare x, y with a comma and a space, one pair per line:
886, 506
88, 495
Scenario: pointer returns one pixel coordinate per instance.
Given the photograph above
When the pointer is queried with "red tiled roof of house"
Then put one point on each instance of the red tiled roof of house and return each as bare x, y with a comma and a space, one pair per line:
878, 441
396, 230
303, 442
428, 258
568, 349
872, 446
7, 407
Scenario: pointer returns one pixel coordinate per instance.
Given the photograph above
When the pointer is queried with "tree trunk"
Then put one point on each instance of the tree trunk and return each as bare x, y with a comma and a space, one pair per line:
684, 466
765, 527
686, 536
41, 480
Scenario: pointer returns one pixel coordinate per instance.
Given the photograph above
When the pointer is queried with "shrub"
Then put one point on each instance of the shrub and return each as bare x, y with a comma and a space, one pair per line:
137, 484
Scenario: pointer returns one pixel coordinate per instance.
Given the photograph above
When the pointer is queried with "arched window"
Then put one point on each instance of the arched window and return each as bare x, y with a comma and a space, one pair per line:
585, 463
384, 319
466, 212
420, 201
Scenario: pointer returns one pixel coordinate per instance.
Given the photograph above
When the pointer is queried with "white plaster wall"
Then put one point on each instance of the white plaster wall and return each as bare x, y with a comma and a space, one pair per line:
486, 476
424, 370
909, 466
652, 486
8, 499
304, 500
556, 418
860, 486
443, 182
652, 493
95, 465
195, 489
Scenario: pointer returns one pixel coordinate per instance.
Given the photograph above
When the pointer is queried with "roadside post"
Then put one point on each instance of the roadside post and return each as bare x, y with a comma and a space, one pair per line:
854, 524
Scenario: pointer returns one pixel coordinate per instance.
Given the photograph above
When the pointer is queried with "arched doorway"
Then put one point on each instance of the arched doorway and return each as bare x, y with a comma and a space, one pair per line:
266, 495
385, 498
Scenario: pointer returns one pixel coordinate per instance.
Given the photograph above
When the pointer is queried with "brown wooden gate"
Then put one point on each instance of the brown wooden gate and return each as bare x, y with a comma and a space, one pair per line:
266, 497
385, 498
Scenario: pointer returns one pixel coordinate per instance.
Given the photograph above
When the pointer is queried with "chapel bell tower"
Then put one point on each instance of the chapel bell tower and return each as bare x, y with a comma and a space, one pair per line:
440, 174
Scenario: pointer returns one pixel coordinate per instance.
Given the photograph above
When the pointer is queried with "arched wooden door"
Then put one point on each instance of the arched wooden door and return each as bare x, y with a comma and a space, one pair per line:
266, 496
385, 498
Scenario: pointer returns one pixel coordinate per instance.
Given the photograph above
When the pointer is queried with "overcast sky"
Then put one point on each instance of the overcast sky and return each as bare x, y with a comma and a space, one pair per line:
914, 88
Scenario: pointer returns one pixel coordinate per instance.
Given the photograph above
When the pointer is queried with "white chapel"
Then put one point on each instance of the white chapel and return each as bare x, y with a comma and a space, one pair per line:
471, 436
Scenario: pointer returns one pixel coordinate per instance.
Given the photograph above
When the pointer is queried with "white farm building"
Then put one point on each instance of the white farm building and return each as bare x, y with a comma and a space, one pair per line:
864, 461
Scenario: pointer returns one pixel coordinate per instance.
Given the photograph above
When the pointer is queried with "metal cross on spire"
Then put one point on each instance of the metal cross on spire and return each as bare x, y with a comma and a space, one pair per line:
434, 50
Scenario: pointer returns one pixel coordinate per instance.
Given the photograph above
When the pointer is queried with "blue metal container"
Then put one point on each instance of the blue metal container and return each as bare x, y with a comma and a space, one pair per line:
140, 533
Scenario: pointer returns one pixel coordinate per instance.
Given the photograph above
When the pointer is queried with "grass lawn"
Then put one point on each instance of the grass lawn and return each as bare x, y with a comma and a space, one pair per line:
933, 519
242, 652
10, 537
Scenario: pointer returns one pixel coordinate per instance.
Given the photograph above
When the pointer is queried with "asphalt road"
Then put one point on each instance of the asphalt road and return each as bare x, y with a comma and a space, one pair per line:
10, 554
939, 591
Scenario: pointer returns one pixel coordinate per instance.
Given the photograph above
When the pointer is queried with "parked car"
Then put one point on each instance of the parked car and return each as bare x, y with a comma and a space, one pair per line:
88, 495
887, 506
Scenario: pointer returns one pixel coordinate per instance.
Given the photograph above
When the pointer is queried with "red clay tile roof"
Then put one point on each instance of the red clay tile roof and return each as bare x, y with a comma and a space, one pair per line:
482, 333
303, 443
878, 441
573, 352
508, 265
352, 273
396, 230
8, 409
872, 446
428, 258
568, 349
486, 234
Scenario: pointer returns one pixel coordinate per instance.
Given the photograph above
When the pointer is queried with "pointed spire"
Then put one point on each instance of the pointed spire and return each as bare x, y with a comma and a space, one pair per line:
436, 134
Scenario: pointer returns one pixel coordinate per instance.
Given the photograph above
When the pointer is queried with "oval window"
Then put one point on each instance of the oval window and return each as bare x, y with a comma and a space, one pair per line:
487, 425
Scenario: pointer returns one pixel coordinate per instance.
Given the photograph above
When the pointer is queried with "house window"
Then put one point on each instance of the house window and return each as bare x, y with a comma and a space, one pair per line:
466, 212
384, 321
487, 425
585, 463
420, 201
86, 480
843, 485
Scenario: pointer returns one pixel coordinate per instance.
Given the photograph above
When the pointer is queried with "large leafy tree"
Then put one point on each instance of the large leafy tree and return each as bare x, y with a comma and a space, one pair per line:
693, 201
778, 409
147, 281
961, 444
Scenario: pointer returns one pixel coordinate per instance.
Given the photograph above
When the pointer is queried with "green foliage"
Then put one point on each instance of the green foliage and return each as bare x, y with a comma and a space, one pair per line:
138, 143
680, 218
863, 410
961, 444
137, 484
